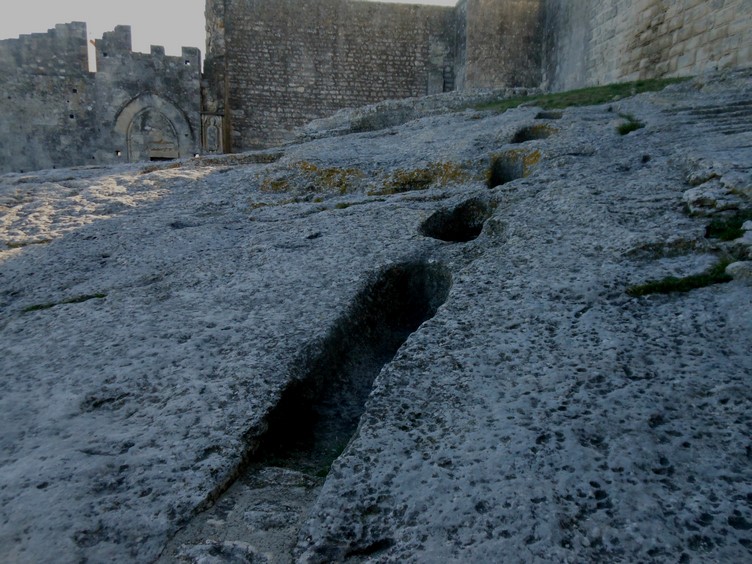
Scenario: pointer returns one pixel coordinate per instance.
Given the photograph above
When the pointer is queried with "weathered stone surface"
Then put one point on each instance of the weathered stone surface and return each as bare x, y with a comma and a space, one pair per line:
391, 113
151, 319
589, 42
741, 270
711, 197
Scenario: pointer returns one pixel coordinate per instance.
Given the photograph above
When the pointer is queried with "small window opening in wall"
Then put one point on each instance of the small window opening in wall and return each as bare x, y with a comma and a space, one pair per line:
196, 155
72, 116
161, 159
187, 63
75, 91
104, 54
118, 153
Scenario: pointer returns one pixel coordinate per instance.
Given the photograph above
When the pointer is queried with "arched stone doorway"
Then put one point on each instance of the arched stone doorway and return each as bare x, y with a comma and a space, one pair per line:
152, 137
152, 128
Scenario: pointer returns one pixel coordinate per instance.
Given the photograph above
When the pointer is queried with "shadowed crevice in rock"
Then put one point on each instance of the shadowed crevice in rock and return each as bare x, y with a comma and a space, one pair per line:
319, 411
511, 165
372, 549
460, 224
533, 132
549, 115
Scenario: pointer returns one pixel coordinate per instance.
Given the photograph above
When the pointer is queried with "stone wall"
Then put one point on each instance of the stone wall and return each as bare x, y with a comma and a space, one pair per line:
274, 65
148, 104
56, 113
502, 40
589, 42
46, 99
289, 61
214, 81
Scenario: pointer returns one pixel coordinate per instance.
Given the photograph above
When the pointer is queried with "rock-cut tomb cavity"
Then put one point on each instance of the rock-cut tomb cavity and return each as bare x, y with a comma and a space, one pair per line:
460, 224
533, 132
511, 165
319, 411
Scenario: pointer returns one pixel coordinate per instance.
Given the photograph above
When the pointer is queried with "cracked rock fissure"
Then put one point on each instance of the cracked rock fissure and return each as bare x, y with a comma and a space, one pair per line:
319, 412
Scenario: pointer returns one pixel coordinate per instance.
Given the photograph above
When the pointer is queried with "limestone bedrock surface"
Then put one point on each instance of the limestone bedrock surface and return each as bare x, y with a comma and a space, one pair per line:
152, 318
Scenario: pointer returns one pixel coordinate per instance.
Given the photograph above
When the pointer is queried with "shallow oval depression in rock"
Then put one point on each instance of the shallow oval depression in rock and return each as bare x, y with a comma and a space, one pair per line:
460, 224
533, 133
320, 409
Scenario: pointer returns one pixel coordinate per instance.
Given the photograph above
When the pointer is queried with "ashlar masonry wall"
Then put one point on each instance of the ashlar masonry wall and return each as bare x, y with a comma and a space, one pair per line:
590, 42
499, 42
287, 62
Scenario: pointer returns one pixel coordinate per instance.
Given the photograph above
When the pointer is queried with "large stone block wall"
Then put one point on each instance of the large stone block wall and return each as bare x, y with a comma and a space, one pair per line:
502, 40
55, 113
590, 42
460, 42
291, 61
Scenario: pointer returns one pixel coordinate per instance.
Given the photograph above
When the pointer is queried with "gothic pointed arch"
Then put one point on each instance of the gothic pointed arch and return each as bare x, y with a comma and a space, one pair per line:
150, 127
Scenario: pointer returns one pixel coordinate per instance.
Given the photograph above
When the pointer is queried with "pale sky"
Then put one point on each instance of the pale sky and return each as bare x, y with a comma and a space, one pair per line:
170, 23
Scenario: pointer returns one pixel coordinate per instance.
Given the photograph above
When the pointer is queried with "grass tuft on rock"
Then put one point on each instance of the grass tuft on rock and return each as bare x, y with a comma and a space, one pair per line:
730, 227
22, 244
308, 177
671, 284
583, 96
631, 124
434, 174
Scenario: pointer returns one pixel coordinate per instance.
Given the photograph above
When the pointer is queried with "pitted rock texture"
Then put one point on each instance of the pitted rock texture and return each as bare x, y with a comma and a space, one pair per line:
152, 317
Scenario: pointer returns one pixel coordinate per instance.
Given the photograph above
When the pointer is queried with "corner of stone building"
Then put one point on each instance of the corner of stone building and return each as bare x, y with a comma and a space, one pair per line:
503, 43
215, 118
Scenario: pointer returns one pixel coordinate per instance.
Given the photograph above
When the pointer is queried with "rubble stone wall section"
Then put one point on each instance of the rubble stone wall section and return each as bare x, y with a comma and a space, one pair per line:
55, 113
590, 42
46, 92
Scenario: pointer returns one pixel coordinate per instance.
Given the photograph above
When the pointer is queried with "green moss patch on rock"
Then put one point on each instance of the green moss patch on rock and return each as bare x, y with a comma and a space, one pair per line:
716, 274
729, 227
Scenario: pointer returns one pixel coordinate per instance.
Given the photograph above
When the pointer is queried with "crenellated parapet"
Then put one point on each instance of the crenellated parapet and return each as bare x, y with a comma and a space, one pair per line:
149, 102
114, 51
62, 50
